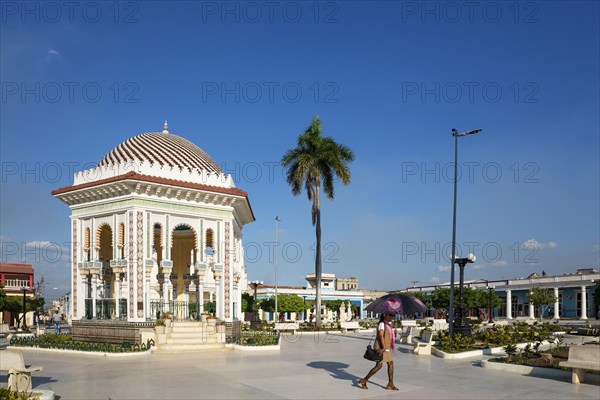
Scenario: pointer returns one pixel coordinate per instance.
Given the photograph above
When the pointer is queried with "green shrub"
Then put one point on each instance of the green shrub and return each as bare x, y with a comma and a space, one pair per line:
7, 394
511, 350
258, 338
65, 342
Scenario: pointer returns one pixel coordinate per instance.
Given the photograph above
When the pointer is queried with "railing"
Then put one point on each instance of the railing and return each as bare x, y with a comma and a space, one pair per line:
105, 309
16, 283
181, 310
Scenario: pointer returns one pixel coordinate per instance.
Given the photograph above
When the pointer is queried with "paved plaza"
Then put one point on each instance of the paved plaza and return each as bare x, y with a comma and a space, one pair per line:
308, 366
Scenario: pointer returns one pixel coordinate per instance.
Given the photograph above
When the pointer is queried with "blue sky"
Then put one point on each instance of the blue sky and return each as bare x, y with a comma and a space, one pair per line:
389, 79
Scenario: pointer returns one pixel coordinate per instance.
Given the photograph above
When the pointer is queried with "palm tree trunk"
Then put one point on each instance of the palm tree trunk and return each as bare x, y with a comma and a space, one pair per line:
318, 257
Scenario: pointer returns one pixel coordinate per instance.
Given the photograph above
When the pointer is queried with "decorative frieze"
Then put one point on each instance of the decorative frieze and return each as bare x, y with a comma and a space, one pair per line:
121, 204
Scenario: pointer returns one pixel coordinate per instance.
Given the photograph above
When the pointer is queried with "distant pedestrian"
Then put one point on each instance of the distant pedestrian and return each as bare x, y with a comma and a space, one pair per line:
384, 344
57, 318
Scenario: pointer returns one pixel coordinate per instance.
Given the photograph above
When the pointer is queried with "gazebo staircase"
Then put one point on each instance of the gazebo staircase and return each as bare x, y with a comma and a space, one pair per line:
186, 336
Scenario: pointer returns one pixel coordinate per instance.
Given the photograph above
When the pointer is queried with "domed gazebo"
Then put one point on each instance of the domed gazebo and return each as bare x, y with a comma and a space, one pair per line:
156, 226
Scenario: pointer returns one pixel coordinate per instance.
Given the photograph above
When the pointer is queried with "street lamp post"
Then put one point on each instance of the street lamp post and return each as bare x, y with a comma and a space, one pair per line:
462, 326
24, 307
254, 323
456, 135
277, 220
304, 307
491, 288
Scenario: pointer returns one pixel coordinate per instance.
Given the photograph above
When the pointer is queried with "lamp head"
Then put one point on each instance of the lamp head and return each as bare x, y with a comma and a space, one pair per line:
471, 132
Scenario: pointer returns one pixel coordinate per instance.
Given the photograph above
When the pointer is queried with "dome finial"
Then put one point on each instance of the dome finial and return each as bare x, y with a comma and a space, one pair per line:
165, 127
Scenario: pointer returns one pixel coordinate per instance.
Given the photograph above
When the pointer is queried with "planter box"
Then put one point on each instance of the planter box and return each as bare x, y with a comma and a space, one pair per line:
537, 371
475, 353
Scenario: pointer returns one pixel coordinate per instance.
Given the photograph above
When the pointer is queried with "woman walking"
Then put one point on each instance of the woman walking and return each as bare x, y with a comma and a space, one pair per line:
384, 344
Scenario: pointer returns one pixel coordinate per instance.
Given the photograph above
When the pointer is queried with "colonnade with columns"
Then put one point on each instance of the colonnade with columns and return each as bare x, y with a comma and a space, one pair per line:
583, 312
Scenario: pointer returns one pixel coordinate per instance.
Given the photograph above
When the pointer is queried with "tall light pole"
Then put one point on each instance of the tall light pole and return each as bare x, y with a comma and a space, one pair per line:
463, 326
304, 307
456, 134
277, 220
24, 289
491, 288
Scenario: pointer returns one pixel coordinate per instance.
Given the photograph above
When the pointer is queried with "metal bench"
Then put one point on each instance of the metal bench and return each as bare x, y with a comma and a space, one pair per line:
349, 326
423, 346
582, 358
287, 326
19, 377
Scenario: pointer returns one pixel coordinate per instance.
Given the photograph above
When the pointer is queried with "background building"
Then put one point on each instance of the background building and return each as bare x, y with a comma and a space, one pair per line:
572, 290
16, 280
329, 292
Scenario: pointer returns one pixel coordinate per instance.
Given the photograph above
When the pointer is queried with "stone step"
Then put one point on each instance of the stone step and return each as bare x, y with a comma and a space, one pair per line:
193, 329
187, 329
192, 341
200, 339
177, 348
187, 323
190, 334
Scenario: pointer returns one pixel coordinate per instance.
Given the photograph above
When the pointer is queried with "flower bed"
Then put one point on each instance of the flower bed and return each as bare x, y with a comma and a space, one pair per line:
529, 357
258, 338
65, 342
496, 336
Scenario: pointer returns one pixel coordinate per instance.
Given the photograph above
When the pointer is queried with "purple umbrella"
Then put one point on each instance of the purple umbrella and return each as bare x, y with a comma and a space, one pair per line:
397, 304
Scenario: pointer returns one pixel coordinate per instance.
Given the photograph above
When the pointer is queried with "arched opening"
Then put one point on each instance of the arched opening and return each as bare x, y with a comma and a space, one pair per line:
210, 242
183, 255
86, 244
121, 241
105, 296
105, 243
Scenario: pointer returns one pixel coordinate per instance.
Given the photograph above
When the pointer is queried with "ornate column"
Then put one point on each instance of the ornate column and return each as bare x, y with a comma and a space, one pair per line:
94, 293
508, 304
583, 303
147, 282
200, 271
531, 311
118, 267
117, 293
167, 288
94, 268
556, 308
219, 309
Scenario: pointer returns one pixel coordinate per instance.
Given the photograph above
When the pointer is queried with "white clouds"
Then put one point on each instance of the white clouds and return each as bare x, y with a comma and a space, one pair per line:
478, 266
434, 279
53, 52
39, 244
443, 268
499, 263
534, 244
595, 248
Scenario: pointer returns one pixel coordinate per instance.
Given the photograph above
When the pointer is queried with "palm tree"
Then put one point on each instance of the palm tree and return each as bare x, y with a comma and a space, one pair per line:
312, 164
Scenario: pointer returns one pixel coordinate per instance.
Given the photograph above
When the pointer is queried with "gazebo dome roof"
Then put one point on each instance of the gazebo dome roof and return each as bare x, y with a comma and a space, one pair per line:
161, 149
